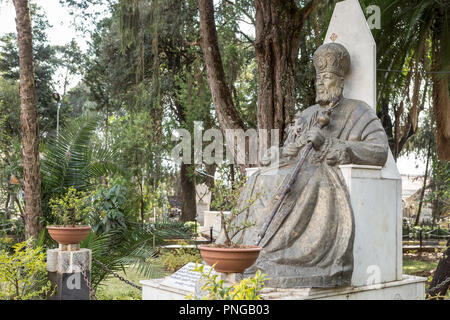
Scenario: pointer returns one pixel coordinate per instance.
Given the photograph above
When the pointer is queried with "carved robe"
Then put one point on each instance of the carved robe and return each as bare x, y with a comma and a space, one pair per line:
309, 243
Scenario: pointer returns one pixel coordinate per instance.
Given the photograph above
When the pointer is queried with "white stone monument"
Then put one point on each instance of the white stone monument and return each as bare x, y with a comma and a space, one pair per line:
203, 198
375, 192
174, 287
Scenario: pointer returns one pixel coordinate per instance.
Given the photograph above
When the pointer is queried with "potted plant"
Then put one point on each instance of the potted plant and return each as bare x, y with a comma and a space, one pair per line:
230, 257
69, 211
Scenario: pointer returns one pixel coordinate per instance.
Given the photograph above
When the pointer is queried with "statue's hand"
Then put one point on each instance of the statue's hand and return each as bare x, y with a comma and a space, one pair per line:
338, 155
316, 137
290, 150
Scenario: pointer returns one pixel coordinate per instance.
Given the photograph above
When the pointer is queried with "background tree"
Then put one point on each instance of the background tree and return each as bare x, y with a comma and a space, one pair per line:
278, 36
413, 54
29, 121
45, 62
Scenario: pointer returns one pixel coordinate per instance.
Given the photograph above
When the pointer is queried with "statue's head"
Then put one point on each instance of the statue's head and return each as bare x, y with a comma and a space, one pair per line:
332, 62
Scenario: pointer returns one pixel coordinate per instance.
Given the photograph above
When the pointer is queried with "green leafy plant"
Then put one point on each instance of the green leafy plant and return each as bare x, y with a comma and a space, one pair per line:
175, 259
109, 206
6, 242
73, 159
23, 273
228, 199
71, 208
192, 226
214, 288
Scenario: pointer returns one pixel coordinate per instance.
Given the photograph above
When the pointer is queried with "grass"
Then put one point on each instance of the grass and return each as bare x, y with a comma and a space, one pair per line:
115, 289
168, 262
416, 267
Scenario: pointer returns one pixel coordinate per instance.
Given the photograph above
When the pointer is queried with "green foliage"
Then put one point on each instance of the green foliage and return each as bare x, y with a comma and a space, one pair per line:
6, 243
9, 109
45, 63
215, 289
133, 247
73, 160
175, 259
193, 226
141, 151
171, 229
23, 274
411, 46
10, 150
125, 295
423, 146
439, 194
109, 206
70, 209
11, 228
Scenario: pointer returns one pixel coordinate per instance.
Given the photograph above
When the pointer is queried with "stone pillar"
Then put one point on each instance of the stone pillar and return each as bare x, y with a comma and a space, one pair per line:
375, 195
64, 266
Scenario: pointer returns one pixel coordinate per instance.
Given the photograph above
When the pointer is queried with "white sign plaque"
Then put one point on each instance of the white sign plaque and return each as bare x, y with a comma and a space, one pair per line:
185, 278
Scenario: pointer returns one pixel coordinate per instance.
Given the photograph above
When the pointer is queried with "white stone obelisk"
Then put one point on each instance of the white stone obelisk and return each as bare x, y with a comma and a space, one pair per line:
348, 26
375, 192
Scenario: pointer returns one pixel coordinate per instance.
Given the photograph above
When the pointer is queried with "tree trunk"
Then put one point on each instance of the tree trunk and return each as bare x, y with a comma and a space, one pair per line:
278, 32
278, 27
226, 112
441, 95
29, 121
441, 274
189, 209
422, 193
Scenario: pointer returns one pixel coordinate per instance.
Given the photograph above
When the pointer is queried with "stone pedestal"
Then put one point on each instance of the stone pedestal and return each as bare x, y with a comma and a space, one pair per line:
203, 199
201, 208
64, 266
375, 194
213, 219
408, 288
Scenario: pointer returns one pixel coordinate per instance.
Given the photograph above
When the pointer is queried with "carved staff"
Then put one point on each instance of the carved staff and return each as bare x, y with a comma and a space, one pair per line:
322, 121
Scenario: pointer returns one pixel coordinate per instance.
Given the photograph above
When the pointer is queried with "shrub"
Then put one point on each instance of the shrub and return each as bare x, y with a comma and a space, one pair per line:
109, 204
23, 274
215, 289
175, 259
71, 208
192, 226
5, 243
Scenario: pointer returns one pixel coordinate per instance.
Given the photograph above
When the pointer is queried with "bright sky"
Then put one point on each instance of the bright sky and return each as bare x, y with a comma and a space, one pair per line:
62, 32
58, 16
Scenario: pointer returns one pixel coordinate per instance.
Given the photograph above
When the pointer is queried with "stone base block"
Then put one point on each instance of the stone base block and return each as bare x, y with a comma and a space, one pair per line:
65, 266
154, 290
69, 286
409, 288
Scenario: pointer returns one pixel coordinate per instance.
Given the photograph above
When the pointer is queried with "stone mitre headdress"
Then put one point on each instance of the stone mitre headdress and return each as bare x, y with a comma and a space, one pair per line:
332, 57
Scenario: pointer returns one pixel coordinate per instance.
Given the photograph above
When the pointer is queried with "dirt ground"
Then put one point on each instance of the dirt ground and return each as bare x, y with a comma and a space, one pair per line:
423, 256
432, 257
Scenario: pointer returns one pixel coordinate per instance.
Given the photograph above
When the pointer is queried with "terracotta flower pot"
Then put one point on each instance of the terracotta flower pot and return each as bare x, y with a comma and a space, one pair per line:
230, 260
68, 235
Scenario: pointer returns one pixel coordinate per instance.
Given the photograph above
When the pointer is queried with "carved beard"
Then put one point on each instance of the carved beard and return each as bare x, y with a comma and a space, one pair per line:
329, 95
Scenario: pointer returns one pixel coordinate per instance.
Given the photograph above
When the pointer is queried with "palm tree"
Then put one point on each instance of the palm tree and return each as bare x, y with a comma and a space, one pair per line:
413, 49
71, 159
